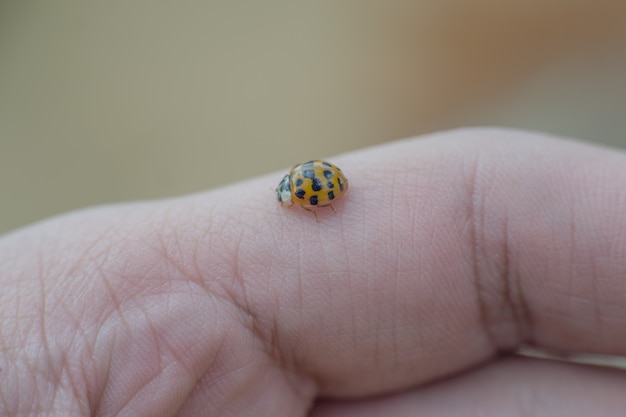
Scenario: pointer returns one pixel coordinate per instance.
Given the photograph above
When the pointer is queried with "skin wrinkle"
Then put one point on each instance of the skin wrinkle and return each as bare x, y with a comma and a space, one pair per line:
303, 360
377, 293
271, 339
302, 390
74, 382
587, 271
196, 245
3, 399
250, 319
295, 361
202, 245
572, 267
179, 361
15, 325
597, 314
166, 237
121, 317
616, 248
513, 292
230, 294
215, 286
509, 308
130, 398
239, 299
377, 356
94, 398
171, 350
507, 297
351, 276
593, 278
393, 202
348, 279
43, 333
177, 246
128, 328
276, 348
266, 334
207, 372
214, 379
525, 320
476, 217
493, 258
413, 166
57, 375
159, 343
596, 299
73, 385
571, 259
86, 249
117, 315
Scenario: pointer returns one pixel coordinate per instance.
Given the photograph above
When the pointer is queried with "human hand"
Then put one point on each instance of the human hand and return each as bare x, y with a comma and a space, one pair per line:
446, 252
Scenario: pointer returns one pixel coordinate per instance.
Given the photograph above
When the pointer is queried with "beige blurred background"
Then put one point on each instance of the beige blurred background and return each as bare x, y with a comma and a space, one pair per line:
123, 100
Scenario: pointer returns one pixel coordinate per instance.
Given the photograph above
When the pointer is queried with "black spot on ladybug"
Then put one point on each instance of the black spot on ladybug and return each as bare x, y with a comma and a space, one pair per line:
308, 173
331, 195
308, 164
316, 185
298, 182
326, 164
313, 200
340, 184
300, 193
330, 184
328, 174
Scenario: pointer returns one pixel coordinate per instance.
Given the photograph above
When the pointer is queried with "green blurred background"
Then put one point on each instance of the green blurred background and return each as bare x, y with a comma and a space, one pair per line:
124, 100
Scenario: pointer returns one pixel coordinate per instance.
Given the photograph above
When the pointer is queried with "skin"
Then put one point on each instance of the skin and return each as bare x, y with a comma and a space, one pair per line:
448, 252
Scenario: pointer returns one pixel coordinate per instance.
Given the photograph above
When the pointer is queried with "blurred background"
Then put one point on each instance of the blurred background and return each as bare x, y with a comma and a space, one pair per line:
124, 100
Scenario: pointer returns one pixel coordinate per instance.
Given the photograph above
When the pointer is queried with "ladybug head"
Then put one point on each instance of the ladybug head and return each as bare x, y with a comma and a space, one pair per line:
283, 191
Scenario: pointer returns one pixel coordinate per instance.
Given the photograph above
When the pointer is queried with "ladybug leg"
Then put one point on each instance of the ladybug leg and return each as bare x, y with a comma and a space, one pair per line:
332, 207
314, 213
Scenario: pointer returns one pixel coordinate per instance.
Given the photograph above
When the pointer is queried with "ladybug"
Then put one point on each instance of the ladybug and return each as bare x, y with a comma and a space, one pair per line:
312, 184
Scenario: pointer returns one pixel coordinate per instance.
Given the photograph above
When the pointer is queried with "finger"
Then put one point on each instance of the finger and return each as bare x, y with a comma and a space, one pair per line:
511, 387
445, 251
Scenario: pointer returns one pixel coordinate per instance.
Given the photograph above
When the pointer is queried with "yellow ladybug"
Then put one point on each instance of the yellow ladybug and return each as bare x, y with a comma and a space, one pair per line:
312, 184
